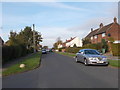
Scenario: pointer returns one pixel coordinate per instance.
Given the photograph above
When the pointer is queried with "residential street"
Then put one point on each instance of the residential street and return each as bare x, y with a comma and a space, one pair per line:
58, 71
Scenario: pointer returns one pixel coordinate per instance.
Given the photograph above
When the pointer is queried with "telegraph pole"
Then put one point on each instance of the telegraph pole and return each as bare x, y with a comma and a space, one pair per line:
34, 38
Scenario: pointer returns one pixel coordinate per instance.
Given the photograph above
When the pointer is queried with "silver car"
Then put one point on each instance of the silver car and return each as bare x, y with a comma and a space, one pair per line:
91, 56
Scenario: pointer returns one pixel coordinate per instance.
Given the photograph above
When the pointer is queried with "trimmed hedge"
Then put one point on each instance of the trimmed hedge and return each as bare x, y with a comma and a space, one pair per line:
88, 46
115, 49
12, 52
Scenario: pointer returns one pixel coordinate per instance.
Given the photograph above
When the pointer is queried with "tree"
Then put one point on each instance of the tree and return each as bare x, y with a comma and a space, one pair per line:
25, 37
58, 41
104, 44
74, 45
45, 47
12, 39
86, 41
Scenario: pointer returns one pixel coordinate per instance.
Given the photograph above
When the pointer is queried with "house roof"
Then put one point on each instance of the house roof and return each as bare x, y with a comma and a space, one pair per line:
99, 30
69, 40
91, 33
104, 28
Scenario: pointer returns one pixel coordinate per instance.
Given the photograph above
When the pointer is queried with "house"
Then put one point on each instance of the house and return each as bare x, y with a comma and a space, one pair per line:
71, 43
1, 42
106, 32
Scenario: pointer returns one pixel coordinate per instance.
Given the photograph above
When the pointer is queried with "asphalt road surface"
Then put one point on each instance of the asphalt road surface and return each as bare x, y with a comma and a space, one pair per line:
58, 71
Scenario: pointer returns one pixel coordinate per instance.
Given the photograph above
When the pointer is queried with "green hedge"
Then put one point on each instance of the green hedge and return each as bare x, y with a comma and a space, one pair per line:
12, 52
88, 46
115, 49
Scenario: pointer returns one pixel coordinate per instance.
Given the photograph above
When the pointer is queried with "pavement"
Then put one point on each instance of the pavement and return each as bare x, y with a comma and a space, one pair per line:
58, 71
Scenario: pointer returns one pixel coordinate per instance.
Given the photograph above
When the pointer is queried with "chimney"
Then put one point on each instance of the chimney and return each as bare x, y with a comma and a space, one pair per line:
66, 40
115, 20
71, 38
91, 29
101, 25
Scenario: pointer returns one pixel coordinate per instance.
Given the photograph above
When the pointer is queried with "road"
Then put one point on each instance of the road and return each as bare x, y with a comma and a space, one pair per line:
58, 71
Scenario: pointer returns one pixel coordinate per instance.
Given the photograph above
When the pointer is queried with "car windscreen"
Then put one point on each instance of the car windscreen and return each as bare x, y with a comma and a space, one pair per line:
92, 52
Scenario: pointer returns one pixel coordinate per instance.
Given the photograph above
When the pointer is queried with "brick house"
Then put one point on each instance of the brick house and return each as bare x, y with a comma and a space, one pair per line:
106, 32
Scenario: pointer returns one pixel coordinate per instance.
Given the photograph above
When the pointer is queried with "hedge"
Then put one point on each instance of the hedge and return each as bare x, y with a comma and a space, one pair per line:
115, 49
88, 46
12, 52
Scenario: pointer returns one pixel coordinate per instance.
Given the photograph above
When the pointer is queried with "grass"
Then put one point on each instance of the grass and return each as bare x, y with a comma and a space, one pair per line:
30, 62
114, 63
66, 54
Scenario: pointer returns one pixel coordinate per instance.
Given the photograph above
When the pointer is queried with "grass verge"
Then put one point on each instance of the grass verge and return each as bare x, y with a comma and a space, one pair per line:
114, 63
66, 54
30, 62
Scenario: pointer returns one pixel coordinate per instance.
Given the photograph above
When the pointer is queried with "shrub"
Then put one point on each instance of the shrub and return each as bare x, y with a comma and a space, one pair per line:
73, 49
11, 52
115, 49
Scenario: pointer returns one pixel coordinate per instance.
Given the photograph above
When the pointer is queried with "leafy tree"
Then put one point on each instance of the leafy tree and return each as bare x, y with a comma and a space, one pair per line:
86, 41
58, 41
74, 45
104, 44
25, 37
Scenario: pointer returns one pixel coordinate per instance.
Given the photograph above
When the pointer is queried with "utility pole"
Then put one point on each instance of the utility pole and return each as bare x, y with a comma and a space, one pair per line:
34, 38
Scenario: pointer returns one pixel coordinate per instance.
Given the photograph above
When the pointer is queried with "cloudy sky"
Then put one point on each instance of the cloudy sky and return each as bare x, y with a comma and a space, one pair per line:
56, 19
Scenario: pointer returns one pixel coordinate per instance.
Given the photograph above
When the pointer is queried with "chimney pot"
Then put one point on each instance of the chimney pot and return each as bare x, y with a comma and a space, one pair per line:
91, 29
101, 25
115, 20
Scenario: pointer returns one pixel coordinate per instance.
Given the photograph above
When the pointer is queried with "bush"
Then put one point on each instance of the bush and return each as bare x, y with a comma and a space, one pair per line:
73, 49
115, 49
11, 52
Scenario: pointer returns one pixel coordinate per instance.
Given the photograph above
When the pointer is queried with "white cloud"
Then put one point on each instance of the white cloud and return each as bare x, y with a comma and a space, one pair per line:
61, 5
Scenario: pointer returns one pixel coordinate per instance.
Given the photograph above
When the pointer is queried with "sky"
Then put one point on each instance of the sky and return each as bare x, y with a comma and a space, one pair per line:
56, 19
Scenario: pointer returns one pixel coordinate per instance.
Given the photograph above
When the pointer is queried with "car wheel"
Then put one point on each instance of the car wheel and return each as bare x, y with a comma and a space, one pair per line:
76, 59
85, 62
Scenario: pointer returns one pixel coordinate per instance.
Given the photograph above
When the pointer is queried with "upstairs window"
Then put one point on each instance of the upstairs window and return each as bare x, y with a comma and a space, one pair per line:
91, 38
95, 36
103, 34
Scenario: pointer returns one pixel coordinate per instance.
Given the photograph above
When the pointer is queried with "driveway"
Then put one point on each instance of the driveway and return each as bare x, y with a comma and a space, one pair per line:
58, 71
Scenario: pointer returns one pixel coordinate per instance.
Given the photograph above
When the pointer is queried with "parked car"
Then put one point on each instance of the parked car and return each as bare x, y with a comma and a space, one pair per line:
91, 56
44, 51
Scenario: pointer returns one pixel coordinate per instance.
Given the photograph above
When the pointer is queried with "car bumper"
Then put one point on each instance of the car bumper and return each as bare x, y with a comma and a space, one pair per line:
98, 63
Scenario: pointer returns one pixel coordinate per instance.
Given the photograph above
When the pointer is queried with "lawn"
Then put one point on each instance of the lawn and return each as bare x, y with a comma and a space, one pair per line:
114, 63
31, 62
66, 54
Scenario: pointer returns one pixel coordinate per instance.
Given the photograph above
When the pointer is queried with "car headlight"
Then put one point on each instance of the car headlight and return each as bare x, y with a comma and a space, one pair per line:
93, 58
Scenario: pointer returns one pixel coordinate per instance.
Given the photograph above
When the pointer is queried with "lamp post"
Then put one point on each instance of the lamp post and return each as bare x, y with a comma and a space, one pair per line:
34, 38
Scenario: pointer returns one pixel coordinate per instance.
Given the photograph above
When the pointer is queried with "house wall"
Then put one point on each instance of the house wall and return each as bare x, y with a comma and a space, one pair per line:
76, 41
114, 31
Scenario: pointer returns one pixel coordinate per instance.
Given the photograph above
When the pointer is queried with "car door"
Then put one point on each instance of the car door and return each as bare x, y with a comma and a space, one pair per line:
80, 55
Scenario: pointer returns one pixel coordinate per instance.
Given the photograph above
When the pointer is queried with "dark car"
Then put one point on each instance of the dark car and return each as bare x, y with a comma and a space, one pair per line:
91, 56
44, 51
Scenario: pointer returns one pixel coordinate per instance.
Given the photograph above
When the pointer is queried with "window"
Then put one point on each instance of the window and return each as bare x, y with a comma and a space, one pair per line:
95, 36
109, 34
103, 34
91, 38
